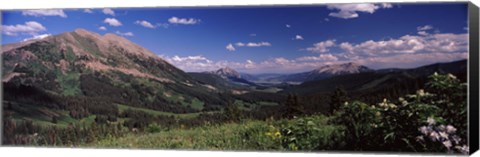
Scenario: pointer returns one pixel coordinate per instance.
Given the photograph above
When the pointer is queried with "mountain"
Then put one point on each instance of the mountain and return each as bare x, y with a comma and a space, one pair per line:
86, 64
381, 80
324, 72
232, 75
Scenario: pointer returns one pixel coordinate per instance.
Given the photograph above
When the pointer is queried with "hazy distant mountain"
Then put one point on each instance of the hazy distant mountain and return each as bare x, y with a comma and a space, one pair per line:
231, 75
324, 72
381, 80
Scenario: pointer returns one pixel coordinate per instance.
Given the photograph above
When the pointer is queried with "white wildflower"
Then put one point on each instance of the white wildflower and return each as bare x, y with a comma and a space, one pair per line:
444, 135
447, 144
434, 136
424, 130
464, 149
452, 76
451, 129
421, 92
430, 121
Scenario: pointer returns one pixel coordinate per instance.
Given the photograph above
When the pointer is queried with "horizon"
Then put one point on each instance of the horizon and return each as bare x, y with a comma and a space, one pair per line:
269, 39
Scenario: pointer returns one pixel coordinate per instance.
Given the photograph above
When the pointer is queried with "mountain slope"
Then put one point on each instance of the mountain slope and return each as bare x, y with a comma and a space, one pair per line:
83, 63
232, 75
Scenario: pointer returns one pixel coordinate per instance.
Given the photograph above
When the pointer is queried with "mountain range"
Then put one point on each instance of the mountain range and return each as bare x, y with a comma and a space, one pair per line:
86, 64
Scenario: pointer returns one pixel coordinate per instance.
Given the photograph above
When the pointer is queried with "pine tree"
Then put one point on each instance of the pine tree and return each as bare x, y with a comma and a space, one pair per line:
338, 98
294, 107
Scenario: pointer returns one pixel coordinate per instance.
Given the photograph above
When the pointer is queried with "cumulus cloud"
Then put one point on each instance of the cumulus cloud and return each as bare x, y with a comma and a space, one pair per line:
434, 43
112, 22
41, 36
230, 47
88, 11
124, 34
103, 28
49, 12
145, 24
348, 11
30, 27
321, 57
184, 21
322, 47
424, 28
108, 11
288, 26
298, 37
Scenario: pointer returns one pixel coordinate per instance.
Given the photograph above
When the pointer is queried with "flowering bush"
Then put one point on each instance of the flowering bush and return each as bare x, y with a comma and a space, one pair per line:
433, 137
394, 125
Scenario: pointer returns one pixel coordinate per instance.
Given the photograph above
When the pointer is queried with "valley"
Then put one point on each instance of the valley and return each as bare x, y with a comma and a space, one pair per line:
83, 89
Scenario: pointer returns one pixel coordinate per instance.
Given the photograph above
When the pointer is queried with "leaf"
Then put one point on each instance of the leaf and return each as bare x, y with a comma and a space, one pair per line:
390, 135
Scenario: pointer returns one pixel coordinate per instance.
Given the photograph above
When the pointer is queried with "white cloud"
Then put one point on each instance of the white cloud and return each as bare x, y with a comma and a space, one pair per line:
326, 19
252, 44
145, 24
49, 12
288, 26
41, 36
88, 11
112, 22
348, 11
322, 47
124, 34
253, 34
321, 57
432, 43
230, 47
258, 44
185, 21
412, 60
108, 11
30, 27
103, 28
424, 28
423, 33
298, 37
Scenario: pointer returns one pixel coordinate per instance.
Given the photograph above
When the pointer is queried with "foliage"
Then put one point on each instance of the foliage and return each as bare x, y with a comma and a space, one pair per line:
393, 125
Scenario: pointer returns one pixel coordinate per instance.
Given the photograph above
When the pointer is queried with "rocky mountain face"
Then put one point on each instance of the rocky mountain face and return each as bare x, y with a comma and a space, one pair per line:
226, 72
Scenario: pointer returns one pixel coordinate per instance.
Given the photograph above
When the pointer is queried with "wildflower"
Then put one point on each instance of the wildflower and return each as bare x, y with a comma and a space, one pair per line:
393, 106
447, 144
456, 139
419, 138
464, 149
434, 136
421, 92
424, 130
441, 128
451, 129
444, 135
277, 134
452, 76
430, 121
346, 103
435, 74
377, 114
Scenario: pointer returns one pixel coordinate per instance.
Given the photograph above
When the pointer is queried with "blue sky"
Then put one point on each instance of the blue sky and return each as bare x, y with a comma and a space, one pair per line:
269, 39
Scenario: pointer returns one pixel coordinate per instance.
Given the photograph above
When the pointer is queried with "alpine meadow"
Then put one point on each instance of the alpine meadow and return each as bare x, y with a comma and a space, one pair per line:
377, 77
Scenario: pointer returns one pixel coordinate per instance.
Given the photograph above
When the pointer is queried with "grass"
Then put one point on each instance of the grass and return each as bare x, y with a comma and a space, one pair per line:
245, 135
158, 113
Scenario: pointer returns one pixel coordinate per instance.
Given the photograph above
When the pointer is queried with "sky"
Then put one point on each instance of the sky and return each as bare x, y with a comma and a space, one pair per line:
269, 39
